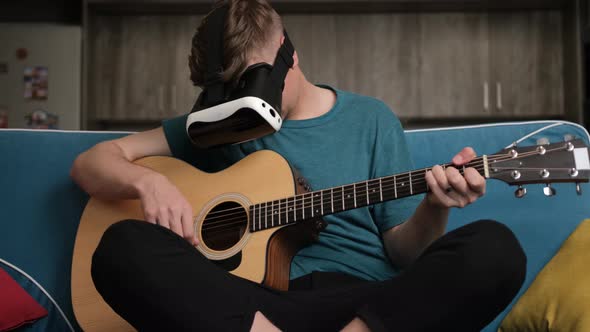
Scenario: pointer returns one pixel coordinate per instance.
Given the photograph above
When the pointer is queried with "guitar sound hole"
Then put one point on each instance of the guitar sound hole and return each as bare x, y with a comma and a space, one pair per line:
224, 226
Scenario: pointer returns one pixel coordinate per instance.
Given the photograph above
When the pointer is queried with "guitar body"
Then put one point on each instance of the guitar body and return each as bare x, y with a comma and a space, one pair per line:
262, 256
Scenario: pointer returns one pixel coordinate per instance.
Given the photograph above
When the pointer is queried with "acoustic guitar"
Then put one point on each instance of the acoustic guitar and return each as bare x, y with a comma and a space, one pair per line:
254, 216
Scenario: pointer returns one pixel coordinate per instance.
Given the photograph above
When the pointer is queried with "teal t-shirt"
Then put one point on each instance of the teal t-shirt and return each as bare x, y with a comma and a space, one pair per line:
359, 139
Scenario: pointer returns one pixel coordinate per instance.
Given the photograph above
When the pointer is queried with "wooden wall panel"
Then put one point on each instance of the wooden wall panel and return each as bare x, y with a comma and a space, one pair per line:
548, 92
527, 62
454, 67
376, 55
423, 65
182, 89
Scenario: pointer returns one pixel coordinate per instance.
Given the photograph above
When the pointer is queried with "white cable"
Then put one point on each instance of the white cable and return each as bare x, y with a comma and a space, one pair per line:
533, 133
42, 289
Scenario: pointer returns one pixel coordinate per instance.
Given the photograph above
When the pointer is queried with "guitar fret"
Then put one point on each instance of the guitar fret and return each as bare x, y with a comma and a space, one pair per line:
280, 207
287, 221
253, 217
371, 192
260, 218
272, 215
322, 204
277, 211
312, 206
332, 198
294, 209
319, 211
286, 211
303, 198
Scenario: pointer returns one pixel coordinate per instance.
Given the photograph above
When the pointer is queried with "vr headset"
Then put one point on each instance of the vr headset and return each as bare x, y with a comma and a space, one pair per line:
250, 110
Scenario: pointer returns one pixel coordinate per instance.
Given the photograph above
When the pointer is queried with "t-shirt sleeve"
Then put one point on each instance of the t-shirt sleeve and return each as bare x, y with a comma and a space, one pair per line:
391, 157
178, 141
208, 160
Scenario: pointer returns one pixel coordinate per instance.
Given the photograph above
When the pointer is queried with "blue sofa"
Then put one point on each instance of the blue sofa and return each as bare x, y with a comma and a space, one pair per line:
41, 206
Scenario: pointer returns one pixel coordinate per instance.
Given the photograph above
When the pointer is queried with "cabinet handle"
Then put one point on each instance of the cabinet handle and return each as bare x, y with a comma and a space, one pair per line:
486, 96
499, 95
160, 97
173, 96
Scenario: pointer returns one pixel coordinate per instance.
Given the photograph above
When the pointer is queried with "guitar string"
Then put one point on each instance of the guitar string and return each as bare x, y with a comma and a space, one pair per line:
478, 161
239, 220
229, 223
361, 196
348, 188
298, 203
404, 176
279, 210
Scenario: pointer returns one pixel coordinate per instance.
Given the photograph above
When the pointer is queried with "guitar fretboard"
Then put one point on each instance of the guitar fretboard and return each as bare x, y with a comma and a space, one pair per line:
316, 204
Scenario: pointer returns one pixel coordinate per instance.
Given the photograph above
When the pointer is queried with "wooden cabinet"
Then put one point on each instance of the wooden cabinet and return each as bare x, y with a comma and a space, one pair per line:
500, 65
423, 65
376, 55
526, 64
454, 65
139, 68
439, 65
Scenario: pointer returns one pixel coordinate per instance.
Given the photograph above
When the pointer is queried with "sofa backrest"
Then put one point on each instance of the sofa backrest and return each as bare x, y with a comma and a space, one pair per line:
41, 208
540, 223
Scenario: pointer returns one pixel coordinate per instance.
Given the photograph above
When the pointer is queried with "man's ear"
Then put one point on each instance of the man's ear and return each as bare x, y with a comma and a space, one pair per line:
295, 60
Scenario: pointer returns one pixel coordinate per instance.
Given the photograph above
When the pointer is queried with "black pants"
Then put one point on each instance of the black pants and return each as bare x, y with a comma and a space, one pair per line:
158, 282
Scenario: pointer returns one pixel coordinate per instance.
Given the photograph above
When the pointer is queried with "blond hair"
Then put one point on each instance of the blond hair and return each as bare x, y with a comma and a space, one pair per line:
249, 27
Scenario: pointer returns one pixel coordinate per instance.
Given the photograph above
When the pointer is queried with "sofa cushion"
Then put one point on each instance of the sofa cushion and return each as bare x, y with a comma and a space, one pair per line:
559, 298
17, 307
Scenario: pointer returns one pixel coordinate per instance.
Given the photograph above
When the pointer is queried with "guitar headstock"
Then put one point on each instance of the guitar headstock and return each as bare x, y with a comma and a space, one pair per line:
550, 163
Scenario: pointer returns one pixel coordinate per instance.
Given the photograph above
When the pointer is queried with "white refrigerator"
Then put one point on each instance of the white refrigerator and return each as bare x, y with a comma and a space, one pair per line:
40, 75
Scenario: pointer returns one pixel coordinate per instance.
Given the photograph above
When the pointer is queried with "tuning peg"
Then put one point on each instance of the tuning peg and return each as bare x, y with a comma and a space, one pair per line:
578, 189
568, 137
543, 141
549, 191
520, 192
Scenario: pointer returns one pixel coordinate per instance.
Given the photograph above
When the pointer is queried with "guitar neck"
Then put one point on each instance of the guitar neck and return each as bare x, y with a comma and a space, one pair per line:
316, 204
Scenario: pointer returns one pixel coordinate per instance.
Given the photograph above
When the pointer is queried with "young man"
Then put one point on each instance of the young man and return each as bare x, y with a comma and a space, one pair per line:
382, 268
